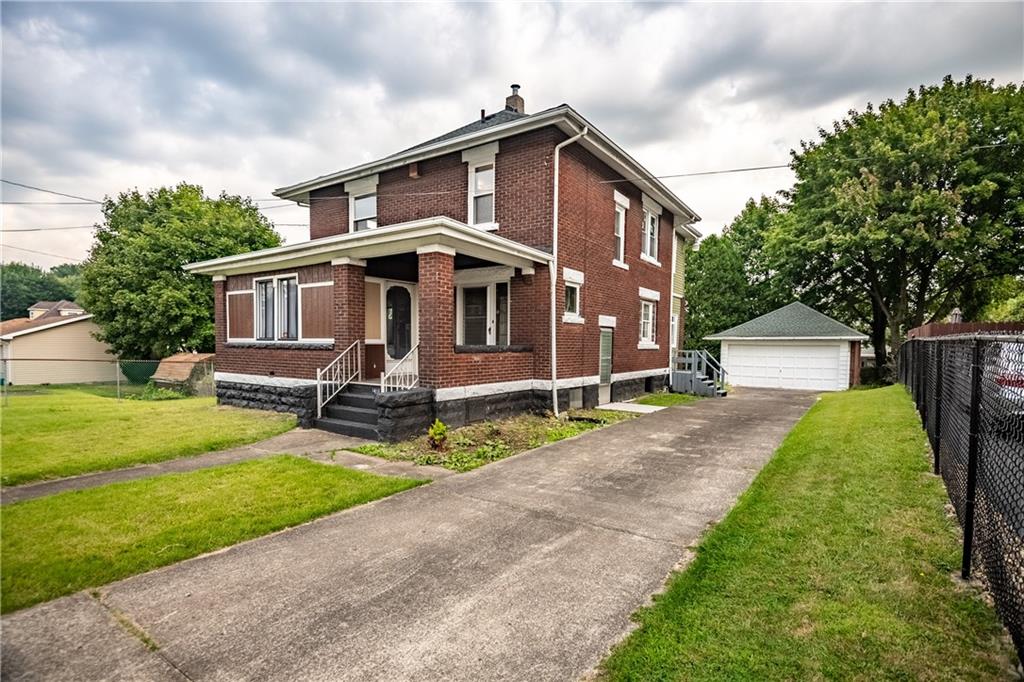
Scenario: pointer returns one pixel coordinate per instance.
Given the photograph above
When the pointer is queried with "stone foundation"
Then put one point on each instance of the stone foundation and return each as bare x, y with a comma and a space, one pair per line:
298, 400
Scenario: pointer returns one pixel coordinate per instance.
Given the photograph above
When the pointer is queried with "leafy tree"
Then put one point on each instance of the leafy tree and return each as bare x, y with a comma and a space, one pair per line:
22, 285
716, 291
70, 275
133, 282
903, 212
1007, 304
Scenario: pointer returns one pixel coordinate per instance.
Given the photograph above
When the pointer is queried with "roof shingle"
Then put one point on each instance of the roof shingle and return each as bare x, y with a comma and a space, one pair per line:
793, 321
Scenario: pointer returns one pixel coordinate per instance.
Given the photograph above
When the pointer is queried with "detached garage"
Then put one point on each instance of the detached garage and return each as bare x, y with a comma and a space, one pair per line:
793, 347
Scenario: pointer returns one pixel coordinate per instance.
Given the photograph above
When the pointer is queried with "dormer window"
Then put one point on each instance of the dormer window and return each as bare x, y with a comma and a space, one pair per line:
483, 194
480, 209
364, 212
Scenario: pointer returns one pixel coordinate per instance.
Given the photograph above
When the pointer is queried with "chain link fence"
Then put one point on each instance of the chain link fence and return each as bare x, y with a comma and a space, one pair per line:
969, 391
108, 377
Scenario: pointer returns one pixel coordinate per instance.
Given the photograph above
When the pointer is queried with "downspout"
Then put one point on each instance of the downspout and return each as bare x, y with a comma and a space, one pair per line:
553, 272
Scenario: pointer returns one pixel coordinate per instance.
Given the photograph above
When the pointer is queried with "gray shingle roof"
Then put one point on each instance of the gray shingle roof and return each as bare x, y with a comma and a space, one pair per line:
790, 321
497, 118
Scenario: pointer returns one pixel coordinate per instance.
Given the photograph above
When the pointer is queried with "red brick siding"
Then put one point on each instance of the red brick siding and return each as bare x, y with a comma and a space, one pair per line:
440, 190
328, 212
586, 228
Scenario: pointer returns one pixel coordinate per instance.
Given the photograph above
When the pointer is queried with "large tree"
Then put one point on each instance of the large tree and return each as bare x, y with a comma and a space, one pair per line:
22, 285
905, 211
730, 278
133, 282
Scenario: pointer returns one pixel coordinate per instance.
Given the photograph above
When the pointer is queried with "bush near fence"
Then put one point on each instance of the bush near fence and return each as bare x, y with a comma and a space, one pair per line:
969, 391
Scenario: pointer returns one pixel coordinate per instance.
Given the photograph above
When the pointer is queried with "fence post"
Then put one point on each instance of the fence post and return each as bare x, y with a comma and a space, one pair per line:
117, 377
972, 458
940, 352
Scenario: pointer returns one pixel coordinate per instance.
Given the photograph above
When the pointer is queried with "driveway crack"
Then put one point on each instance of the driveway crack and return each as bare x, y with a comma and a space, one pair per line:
135, 630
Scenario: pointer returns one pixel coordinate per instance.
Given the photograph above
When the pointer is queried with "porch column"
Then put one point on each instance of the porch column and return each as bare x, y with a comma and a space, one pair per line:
436, 313
349, 301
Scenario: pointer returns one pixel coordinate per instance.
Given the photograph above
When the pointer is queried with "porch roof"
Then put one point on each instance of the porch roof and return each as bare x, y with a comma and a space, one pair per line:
381, 241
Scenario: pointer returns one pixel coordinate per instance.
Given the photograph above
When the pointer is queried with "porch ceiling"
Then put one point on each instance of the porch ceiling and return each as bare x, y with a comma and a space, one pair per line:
381, 242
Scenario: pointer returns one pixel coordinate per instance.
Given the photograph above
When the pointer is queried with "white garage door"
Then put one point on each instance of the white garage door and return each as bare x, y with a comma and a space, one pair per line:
812, 366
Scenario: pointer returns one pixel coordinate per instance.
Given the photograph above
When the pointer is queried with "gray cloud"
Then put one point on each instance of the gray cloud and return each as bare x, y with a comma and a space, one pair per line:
99, 97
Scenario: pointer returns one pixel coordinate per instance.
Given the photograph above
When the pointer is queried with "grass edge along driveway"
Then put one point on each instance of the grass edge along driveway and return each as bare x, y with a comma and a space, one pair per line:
57, 545
837, 562
65, 431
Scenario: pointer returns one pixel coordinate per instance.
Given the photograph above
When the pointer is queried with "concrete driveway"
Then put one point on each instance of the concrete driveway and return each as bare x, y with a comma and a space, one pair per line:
526, 569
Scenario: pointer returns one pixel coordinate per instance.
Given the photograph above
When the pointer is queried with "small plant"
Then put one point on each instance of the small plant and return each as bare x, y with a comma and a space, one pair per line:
437, 435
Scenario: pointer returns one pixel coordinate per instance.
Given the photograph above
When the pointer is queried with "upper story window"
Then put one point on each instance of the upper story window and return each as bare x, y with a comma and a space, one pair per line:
621, 206
483, 195
573, 290
652, 223
364, 212
480, 210
277, 308
362, 203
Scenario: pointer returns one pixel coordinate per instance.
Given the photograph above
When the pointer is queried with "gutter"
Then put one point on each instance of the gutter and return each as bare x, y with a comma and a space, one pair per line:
553, 270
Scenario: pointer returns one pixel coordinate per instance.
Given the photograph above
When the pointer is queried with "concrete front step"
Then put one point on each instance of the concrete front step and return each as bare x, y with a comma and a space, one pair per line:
363, 415
347, 428
358, 400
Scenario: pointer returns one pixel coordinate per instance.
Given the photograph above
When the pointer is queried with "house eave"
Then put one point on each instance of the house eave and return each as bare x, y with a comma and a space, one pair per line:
379, 242
60, 323
564, 117
852, 337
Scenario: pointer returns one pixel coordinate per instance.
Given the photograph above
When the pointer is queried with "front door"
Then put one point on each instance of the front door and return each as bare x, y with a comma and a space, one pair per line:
604, 388
399, 321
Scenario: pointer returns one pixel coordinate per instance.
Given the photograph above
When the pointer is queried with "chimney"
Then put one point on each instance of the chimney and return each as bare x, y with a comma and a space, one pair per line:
514, 102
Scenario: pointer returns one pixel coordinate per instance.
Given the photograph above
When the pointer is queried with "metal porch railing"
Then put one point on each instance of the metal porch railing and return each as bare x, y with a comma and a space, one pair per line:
404, 375
332, 379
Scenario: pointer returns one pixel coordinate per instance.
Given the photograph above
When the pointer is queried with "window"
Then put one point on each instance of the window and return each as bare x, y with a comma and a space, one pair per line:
277, 309
620, 234
364, 212
483, 315
650, 241
648, 322
673, 340
483, 195
621, 206
573, 288
572, 299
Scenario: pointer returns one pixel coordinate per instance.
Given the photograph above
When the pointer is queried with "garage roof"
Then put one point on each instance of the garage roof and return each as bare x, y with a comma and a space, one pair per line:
793, 321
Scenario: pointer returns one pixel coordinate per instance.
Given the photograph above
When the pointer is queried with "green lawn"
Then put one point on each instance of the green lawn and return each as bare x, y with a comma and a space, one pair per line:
666, 399
57, 545
837, 563
474, 445
57, 432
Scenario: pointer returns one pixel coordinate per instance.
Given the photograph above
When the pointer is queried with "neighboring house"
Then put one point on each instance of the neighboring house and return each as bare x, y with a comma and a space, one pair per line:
792, 347
55, 344
433, 268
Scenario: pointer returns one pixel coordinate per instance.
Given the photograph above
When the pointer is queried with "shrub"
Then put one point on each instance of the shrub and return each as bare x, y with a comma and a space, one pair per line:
154, 392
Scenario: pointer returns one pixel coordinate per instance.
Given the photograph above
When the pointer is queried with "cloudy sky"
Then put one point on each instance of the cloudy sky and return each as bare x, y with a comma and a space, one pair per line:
98, 98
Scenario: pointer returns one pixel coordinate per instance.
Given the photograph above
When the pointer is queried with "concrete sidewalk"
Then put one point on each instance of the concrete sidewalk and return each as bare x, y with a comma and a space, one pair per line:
526, 569
312, 443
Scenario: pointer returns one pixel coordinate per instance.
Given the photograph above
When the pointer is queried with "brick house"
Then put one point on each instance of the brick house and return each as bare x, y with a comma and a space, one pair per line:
426, 289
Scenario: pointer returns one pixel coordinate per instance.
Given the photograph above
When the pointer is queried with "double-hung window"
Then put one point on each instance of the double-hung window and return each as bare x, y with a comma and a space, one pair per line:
621, 206
480, 210
277, 308
650, 241
483, 195
648, 322
364, 212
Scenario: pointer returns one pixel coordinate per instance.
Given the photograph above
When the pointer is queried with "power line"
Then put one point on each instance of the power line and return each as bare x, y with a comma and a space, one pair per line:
48, 203
51, 229
50, 191
43, 253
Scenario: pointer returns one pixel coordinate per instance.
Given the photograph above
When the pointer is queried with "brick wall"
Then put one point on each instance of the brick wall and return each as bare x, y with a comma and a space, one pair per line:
523, 176
586, 229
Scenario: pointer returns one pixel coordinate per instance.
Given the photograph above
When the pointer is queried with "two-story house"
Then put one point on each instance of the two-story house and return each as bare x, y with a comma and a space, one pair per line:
520, 262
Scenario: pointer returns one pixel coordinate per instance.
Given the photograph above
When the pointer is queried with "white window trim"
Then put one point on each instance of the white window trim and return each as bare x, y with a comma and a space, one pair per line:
492, 310
673, 330
607, 321
570, 317
651, 208
360, 188
300, 339
649, 294
622, 209
573, 276
647, 344
481, 156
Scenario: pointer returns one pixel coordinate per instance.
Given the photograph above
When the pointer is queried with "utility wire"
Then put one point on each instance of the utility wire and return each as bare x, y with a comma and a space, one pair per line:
50, 229
43, 253
50, 191
48, 203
